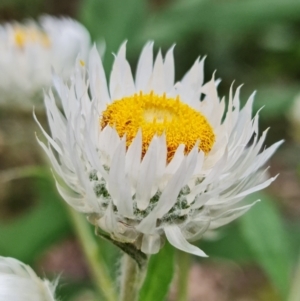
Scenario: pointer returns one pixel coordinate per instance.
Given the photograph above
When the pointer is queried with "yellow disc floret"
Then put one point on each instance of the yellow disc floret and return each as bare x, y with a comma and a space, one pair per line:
156, 115
24, 35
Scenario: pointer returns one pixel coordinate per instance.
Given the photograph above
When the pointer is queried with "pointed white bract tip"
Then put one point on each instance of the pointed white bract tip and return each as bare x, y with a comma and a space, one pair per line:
214, 75
124, 44
176, 238
122, 49
18, 282
171, 49
218, 81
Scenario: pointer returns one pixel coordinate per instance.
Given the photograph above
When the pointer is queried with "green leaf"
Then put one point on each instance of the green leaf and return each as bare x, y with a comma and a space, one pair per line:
229, 245
217, 16
38, 228
159, 275
276, 100
114, 21
263, 229
292, 228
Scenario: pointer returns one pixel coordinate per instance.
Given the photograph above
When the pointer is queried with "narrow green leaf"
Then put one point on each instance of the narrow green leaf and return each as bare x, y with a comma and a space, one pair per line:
159, 275
263, 229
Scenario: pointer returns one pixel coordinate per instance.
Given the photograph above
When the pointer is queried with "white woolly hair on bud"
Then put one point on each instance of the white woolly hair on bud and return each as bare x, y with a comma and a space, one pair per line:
18, 282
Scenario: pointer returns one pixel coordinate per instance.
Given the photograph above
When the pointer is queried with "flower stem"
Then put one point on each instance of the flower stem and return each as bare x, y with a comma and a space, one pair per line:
294, 294
97, 266
132, 278
183, 265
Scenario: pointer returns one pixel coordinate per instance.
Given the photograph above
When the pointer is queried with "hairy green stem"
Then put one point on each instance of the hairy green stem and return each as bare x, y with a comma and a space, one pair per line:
97, 266
294, 294
183, 265
132, 278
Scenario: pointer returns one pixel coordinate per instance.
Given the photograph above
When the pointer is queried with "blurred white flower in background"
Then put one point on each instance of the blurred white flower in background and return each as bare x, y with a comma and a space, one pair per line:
147, 158
28, 50
18, 282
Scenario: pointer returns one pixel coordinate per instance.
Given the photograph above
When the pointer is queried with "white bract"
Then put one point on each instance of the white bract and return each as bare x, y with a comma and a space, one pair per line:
28, 51
18, 282
148, 158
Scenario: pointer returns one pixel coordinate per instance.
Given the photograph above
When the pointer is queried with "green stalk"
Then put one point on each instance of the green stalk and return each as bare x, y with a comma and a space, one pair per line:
183, 266
96, 262
294, 294
132, 278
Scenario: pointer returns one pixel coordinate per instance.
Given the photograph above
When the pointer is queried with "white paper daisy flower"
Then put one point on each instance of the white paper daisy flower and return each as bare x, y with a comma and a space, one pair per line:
28, 51
18, 282
146, 158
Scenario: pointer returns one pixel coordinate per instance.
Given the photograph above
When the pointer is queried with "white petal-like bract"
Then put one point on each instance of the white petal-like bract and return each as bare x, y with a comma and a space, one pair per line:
177, 183
18, 282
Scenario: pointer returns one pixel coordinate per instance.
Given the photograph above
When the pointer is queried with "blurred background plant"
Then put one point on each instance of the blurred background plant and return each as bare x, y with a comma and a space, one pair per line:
251, 41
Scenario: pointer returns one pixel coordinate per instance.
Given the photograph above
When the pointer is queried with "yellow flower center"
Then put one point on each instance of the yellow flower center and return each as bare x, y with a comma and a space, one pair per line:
156, 115
24, 35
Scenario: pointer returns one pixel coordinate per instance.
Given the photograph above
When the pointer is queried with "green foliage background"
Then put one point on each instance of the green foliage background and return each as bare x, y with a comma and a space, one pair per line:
250, 41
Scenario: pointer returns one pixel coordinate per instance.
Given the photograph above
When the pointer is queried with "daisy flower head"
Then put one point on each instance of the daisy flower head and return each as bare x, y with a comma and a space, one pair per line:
28, 50
147, 158
18, 282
